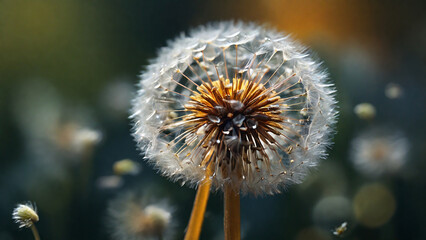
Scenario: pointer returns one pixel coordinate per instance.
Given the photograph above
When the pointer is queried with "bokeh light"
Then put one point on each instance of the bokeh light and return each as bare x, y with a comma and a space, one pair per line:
374, 205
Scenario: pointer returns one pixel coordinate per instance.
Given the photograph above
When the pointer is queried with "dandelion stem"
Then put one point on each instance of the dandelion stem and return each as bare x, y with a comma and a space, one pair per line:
199, 208
35, 232
232, 213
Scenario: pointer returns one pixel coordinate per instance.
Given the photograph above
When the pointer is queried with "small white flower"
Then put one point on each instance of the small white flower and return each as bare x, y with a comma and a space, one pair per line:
25, 215
246, 102
379, 151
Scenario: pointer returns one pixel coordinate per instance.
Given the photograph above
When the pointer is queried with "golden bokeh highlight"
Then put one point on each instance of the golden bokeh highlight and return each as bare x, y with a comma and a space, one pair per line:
333, 21
374, 205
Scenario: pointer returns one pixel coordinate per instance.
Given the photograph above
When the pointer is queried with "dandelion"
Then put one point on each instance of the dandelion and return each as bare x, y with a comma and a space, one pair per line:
379, 151
132, 218
26, 215
236, 107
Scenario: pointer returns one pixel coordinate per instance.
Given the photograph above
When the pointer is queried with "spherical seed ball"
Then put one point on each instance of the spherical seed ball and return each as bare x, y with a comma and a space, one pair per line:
132, 216
379, 151
237, 103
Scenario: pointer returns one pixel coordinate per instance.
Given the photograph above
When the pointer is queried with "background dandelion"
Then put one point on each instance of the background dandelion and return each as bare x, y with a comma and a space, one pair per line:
74, 63
25, 215
380, 151
133, 216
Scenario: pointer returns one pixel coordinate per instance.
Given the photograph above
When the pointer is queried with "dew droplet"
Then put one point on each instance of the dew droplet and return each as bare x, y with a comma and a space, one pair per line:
204, 65
172, 115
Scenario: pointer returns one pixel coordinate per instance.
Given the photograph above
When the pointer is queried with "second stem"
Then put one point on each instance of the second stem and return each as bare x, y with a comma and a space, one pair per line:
231, 213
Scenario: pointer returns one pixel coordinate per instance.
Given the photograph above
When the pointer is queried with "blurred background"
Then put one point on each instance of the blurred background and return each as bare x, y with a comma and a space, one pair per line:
68, 71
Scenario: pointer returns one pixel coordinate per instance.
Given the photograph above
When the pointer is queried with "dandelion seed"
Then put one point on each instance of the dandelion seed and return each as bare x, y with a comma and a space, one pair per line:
131, 217
340, 230
254, 111
379, 151
26, 215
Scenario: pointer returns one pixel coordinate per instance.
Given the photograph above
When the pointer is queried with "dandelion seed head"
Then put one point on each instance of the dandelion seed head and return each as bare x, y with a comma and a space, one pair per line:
25, 215
379, 151
245, 101
131, 217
